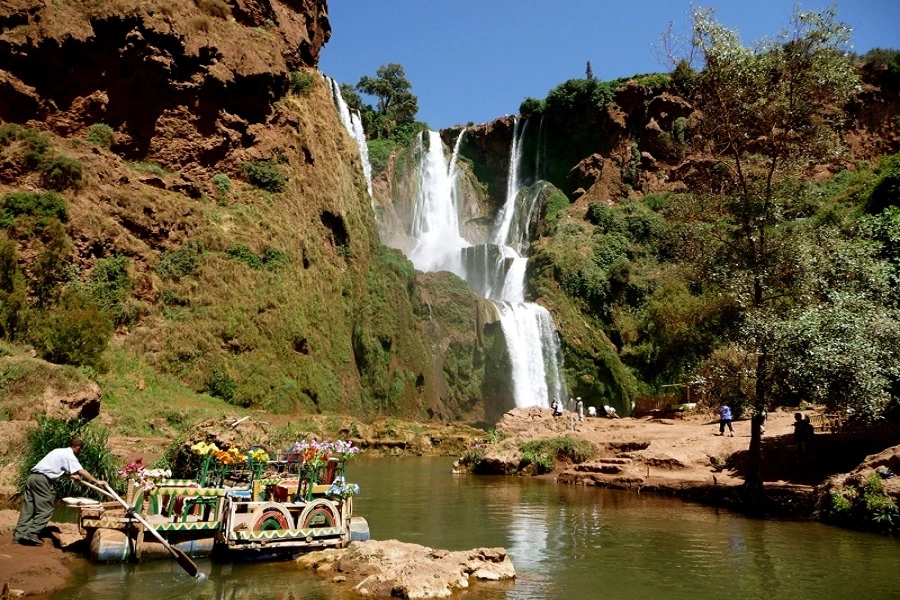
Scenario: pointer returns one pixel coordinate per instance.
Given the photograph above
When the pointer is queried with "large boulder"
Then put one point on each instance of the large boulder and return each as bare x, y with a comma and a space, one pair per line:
36, 388
393, 569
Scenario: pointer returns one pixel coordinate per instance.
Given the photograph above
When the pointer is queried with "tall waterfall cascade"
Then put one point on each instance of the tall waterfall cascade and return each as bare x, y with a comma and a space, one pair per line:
493, 268
353, 124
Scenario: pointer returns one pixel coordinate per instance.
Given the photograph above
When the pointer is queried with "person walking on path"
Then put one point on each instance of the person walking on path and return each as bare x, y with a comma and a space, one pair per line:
579, 408
725, 419
37, 506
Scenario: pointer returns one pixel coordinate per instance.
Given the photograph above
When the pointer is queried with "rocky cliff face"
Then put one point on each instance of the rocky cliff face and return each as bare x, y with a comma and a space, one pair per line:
183, 84
226, 181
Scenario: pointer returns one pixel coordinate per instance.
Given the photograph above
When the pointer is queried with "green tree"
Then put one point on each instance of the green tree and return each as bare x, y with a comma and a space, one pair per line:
73, 332
396, 102
768, 111
49, 268
353, 99
13, 297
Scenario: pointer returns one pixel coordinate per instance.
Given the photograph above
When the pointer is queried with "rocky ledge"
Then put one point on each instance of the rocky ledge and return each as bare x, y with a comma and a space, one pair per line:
395, 569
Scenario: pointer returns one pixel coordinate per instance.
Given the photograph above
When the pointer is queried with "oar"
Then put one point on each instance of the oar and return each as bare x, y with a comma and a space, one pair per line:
183, 559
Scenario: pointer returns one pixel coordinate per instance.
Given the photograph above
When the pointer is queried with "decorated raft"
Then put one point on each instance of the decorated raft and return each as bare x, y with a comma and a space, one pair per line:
239, 505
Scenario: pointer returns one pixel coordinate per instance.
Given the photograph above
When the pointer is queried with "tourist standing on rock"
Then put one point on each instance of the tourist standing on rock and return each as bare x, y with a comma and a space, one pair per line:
725, 419
579, 408
557, 407
37, 506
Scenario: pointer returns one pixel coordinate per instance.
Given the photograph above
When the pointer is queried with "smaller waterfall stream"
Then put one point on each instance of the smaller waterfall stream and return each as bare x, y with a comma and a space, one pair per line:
353, 124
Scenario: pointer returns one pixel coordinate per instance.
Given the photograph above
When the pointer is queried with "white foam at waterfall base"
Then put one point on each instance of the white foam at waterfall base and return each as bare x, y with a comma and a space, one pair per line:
436, 217
524, 325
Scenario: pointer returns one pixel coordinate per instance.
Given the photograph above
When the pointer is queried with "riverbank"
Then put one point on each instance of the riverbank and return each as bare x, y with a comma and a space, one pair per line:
36, 571
680, 456
684, 455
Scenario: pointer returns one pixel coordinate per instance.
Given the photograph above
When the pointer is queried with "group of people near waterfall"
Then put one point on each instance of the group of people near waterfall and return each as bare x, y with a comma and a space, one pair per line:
558, 407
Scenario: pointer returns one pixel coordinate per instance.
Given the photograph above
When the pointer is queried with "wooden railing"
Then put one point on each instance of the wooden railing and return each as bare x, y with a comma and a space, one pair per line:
826, 422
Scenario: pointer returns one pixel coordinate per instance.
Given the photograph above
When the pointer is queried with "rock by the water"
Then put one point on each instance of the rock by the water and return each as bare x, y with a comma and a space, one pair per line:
396, 569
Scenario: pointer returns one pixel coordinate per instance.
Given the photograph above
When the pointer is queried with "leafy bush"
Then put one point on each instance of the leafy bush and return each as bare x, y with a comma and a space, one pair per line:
222, 182
221, 385
242, 253
605, 217
301, 83
176, 264
380, 151
37, 144
274, 259
62, 173
577, 95
265, 175
75, 332
95, 457
9, 132
101, 134
110, 286
864, 505
887, 188
542, 454
13, 296
42, 206
50, 267
556, 202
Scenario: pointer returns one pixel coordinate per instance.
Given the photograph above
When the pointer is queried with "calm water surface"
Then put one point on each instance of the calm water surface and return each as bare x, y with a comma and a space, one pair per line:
566, 542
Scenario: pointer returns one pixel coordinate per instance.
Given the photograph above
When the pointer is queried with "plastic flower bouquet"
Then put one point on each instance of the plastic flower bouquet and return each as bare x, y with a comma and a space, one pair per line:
341, 489
147, 478
206, 452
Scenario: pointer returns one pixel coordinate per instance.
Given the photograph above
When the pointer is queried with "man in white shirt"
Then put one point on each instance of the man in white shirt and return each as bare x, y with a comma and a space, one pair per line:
37, 506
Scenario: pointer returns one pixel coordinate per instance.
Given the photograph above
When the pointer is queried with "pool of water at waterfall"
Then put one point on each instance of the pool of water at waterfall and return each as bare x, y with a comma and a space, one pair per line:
566, 542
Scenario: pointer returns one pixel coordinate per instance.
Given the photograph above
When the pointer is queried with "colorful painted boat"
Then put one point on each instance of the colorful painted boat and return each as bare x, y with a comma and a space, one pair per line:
266, 518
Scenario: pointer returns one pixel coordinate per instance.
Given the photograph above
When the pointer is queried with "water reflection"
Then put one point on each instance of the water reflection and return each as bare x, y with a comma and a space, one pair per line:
566, 542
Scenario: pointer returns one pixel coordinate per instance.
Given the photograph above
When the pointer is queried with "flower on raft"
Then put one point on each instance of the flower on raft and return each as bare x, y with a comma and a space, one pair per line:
314, 453
341, 489
204, 449
345, 449
259, 455
147, 478
229, 457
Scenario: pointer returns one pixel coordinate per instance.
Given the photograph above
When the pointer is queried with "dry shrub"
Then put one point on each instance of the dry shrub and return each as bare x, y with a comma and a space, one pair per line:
199, 23
214, 8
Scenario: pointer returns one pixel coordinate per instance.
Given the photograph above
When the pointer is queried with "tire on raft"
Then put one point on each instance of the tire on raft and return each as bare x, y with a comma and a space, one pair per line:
319, 513
271, 517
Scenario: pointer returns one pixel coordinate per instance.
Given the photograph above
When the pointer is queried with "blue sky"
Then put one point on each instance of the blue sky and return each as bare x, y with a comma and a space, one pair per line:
471, 60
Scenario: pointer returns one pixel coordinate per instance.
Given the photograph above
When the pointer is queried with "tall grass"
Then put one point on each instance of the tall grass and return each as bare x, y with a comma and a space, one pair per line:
95, 457
144, 402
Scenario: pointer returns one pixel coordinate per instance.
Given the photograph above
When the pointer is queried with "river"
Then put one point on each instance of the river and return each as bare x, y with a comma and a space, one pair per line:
566, 542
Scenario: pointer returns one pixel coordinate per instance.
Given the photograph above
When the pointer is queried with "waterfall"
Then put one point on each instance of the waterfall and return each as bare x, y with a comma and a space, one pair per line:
504, 219
353, 124
496, 270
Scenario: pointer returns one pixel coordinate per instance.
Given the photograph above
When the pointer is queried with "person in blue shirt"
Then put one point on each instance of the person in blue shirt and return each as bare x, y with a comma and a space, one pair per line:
725, 419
